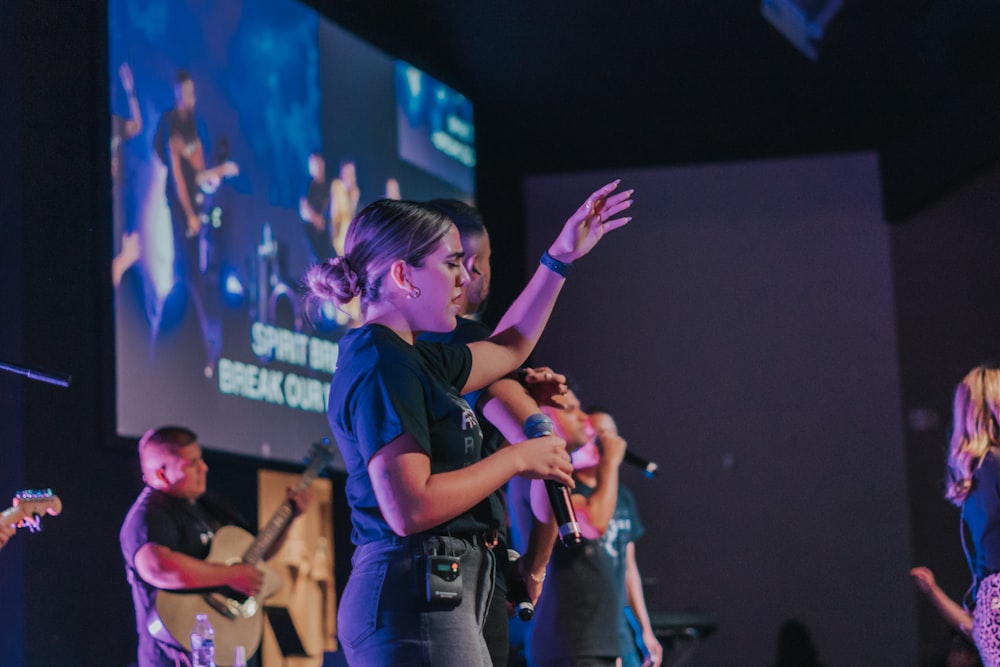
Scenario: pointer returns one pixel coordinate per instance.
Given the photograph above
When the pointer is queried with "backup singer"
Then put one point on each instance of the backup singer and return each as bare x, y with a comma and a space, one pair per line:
973, 484
411, 444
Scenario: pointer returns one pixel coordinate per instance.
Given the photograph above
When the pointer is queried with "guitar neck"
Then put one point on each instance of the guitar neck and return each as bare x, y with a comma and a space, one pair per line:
278, 521
269, 534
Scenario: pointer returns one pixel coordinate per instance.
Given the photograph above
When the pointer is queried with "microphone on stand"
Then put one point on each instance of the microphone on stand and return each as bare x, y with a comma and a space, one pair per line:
60, 379
649, 468
537, 426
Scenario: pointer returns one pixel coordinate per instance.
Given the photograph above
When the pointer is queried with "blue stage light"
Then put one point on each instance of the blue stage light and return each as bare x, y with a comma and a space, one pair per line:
233, 291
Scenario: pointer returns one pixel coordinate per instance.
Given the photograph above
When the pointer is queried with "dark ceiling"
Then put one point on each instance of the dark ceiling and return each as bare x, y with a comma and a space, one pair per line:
572, 85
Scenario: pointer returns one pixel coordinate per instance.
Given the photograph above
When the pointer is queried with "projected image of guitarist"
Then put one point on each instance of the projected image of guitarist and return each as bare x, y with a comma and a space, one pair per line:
182, 144
171, 541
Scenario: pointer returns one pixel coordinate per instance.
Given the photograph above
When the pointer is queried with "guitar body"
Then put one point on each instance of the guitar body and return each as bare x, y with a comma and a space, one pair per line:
235, 623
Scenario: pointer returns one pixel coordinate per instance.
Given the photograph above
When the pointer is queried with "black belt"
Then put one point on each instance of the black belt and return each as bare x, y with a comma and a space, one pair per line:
488, 537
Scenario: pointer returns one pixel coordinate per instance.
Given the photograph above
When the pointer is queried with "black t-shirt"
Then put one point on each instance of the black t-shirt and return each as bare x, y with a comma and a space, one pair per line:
384, 387
187, 128
581, 610
578, 611
493, 510
188, 528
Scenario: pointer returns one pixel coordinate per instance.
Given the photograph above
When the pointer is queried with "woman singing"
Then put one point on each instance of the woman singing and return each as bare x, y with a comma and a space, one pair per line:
974, 485
422, 572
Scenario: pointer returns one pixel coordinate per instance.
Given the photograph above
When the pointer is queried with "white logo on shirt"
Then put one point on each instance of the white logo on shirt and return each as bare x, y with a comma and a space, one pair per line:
469, 419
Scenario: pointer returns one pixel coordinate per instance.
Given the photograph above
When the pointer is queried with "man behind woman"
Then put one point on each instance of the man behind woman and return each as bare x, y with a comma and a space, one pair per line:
411, 444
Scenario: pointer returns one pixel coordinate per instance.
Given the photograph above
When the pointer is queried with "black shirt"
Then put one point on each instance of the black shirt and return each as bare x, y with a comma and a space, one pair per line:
180, 525
384, 387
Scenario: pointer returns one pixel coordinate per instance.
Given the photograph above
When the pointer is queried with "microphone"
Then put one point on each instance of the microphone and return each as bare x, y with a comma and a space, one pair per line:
648, 467
60, 379
517, 589
537, 426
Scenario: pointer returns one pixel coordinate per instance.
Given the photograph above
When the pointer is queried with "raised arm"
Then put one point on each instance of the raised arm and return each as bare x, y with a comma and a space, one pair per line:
597, 510
521, 326
507, 403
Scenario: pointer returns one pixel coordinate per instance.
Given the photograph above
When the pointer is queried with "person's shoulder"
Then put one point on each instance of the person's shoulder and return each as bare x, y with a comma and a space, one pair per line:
149, 503
376, 340
443, 354
373, 349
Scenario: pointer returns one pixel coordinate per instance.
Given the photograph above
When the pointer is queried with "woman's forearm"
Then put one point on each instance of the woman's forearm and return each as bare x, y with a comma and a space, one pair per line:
518, 331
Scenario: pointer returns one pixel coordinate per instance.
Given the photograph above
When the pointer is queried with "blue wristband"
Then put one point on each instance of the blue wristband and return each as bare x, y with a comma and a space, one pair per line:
553, 264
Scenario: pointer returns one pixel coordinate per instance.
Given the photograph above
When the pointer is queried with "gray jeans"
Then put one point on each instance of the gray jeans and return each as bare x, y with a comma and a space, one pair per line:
383, 618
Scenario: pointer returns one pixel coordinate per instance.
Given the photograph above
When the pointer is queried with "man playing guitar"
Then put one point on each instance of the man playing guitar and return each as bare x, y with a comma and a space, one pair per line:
167, 534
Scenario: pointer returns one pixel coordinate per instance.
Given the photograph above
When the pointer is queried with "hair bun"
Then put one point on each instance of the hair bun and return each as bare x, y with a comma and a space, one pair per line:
340, 262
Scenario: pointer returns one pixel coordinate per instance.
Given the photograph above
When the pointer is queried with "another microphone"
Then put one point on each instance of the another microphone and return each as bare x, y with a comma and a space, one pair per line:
517, 589
648, 467
60, 379
537, 426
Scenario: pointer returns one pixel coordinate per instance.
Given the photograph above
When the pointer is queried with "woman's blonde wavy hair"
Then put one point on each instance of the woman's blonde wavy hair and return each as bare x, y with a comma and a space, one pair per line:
975, 428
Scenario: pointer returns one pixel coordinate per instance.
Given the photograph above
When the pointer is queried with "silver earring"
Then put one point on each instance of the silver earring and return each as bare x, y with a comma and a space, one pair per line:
414, 293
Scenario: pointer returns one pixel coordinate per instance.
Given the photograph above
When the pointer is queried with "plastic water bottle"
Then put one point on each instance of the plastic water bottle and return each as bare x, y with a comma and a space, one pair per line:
202, 642
239, 657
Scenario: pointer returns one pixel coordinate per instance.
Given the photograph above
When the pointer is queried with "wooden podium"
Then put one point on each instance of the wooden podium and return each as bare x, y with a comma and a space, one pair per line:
305, 563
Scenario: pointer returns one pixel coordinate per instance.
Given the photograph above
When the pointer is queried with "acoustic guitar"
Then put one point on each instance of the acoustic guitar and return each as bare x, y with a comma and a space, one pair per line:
238, 620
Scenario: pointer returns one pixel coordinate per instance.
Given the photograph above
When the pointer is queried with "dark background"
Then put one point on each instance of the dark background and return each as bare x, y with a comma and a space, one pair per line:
557, 87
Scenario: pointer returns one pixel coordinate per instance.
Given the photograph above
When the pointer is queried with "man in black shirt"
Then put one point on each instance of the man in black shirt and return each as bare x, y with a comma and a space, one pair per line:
168, 532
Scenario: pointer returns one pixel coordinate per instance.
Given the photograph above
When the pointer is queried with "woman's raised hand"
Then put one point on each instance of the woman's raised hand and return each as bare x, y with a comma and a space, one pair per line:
594, 219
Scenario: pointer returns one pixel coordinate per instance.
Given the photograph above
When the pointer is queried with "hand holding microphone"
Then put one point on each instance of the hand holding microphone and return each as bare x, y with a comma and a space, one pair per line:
605, 426
536, 426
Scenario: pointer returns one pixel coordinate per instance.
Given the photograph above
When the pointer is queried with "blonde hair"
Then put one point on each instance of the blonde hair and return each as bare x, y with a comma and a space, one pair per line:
975, 428
383, 232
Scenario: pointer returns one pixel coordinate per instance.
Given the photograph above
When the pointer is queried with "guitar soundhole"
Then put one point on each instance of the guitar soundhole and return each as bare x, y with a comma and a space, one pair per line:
232, 608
